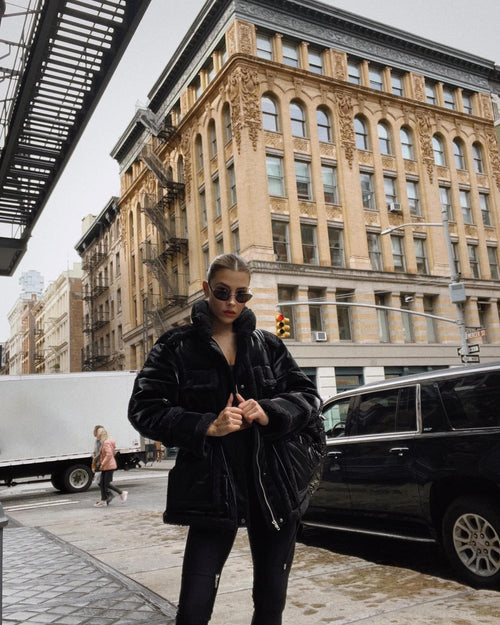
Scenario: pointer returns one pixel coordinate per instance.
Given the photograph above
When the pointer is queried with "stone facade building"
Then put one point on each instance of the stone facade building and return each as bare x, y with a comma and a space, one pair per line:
296, 134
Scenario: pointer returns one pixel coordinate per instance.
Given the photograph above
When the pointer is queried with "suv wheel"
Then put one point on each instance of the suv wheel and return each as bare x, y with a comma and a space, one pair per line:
471, 540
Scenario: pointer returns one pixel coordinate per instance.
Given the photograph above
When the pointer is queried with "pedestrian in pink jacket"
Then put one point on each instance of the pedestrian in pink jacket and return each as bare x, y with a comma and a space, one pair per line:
107, 465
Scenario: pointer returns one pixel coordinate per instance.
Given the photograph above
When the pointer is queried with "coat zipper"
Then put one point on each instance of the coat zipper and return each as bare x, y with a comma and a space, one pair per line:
266, 500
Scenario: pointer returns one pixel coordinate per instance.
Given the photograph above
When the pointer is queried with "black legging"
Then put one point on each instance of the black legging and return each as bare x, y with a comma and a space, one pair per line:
204, 557
106, 486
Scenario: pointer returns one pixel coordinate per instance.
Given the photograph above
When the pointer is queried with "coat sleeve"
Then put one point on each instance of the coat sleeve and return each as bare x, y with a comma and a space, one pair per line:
154, 407
296, 400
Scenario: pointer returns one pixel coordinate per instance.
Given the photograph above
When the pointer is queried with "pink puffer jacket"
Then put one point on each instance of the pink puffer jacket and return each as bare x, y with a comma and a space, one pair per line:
107, 459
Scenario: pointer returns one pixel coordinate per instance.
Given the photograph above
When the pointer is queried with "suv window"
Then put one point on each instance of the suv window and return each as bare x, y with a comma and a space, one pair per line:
384, 412
335, 417
472, 401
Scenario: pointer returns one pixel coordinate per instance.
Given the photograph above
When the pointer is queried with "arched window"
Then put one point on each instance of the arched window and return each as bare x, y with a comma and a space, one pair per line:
407, 148
438, 148
180, 169
324, 125
270, 116
212, 138
477, 155
298, 119
226, 117
199, 152
384, 138
458, 153
361, 132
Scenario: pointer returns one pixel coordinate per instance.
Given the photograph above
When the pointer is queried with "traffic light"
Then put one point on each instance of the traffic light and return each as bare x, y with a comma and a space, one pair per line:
282, 326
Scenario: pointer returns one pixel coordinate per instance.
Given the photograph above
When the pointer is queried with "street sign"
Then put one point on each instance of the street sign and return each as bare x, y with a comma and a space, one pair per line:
468, 359
471, 349
475, 334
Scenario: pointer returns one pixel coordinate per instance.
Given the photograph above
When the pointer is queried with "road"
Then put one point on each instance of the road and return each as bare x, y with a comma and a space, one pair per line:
336, 578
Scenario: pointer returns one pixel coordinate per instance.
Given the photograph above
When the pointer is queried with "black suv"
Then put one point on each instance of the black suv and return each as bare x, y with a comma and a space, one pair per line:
419, 457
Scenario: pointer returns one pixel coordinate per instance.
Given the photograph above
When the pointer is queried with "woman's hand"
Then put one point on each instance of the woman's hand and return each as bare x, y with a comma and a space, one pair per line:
252, 410
230, 420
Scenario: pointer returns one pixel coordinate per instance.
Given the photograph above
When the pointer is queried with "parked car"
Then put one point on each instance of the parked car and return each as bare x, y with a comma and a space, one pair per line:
419, 457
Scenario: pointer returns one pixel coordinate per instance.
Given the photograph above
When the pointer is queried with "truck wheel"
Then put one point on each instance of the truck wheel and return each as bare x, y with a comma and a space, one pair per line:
471, 540
77, 478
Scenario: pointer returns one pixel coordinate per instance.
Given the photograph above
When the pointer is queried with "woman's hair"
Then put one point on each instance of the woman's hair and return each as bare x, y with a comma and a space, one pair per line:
102, 434
227, 261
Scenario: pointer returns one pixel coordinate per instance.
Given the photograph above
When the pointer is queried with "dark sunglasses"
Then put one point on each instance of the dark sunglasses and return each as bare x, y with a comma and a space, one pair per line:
224, 294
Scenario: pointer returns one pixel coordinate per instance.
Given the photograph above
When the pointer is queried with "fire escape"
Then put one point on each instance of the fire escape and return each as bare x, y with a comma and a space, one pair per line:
96, 317
165, 256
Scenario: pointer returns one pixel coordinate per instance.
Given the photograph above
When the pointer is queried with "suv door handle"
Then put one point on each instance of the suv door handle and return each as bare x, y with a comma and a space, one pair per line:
399, 451
334, 454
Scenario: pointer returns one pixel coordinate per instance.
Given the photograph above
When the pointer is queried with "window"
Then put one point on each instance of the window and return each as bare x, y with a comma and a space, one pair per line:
361, 134
270, 117
367, 191
315, 61
288, 294
324, 125
264, 46
382, 299
303, 180
398, 253
232, 184
485, 209
203, 208
217, 200
473, 260
406, 318
413, 197
477, 155
236, 240
315, 310
281, 244
384, 138
467, 102
385, 412
298, 120
213, 138
226, 114
376, 78
456, 257
430, 309
374, 251
458, 153
449, 98
329, 174
430, 92
421, 256
406, 138
397, 84
444, 196
220, 245
466, 206
290, 53
336, 243
199, 153
391, 195
344, 315
354, 72
493, 262
275, 179
309, 244
439, 154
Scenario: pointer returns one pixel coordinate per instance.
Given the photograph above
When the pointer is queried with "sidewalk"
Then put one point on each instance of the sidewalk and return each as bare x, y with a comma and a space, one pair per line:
47, 580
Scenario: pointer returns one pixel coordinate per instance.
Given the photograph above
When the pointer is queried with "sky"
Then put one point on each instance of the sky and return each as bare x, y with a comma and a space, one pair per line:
91, 177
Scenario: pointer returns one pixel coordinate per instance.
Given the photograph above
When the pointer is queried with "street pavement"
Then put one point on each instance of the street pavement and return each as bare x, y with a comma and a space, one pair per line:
100, 566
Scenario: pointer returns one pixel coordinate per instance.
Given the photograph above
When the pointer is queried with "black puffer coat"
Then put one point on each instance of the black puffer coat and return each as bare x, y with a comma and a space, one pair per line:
184, 385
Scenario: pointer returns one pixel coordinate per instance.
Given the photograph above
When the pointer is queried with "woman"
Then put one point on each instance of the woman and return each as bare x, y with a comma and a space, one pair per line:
107, 465
228, 396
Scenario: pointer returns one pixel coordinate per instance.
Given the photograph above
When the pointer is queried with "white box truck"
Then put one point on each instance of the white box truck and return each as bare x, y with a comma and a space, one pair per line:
47, 422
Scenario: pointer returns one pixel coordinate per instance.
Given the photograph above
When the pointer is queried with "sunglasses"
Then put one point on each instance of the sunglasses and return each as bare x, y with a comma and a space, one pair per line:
223, 294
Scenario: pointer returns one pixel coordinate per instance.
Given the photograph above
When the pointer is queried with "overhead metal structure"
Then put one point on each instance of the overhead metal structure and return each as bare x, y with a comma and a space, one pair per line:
72, 52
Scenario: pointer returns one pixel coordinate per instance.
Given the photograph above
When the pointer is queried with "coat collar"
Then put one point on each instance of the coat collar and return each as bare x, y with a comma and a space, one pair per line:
202, 320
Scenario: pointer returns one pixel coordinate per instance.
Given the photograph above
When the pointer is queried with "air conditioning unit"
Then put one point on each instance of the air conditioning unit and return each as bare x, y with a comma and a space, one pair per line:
319, 336
395, 207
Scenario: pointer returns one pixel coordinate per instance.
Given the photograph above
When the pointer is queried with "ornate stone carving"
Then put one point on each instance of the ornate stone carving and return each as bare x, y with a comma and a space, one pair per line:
245, 36
185, 149
372, 218
345, 110
494, 157
334, 213
339, 65
425, 137
410, 166
301, 145
463, 177
366, 158
243, 95
231, 39
443, 173
273, 139
486, 106
328, 149
419, 87
278, 205
307, 209
388, 162
298, 85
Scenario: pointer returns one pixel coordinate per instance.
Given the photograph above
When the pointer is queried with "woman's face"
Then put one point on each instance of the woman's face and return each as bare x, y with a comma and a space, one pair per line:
226, 312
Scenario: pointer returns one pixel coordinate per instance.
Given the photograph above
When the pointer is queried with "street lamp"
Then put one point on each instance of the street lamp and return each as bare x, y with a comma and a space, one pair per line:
456, 287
